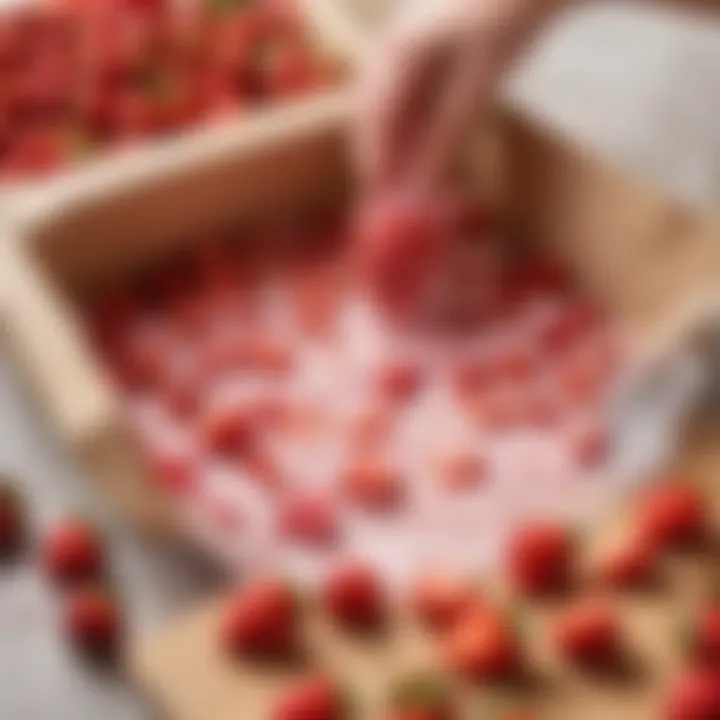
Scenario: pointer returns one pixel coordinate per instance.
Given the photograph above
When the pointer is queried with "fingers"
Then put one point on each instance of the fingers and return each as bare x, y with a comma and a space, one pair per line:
392, 77
467, 83
427, 79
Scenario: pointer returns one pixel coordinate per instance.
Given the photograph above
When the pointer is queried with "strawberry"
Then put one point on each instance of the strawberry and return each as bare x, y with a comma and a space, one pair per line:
421, 695
472, 375
671, 514
144, 357
543, 276
589, 633
567, 326
439, 600
180, 390
354, 596
93, 621
399, 380
695, 695
401, 240
224, 350
309, 519
12, 523
463, 470
482, 646
285, 69
227, 429
310, 698
260, 620
705, 637
513, 365
373, 486
270, 356
633, 564
72, 552
540, 558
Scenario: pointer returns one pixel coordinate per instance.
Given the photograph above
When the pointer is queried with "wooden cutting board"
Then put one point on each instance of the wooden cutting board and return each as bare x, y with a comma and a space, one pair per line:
187, 678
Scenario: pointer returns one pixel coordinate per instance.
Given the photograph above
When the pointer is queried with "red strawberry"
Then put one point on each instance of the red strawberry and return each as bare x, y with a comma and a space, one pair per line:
310, 698
373, 486
180, 390
482, 646
353, 595
421, 696
228, 429
567, 326
93, 621
695, 696
439, 600
223, 351
630, 565
705, 637
513, 365
12, 523
72, 552
399, 380
270, 355
144, 358
543, 275
540, 558
285, 69
671, 514
463, 470
309, 519
400, 240
589, 633
471, 376
260, 620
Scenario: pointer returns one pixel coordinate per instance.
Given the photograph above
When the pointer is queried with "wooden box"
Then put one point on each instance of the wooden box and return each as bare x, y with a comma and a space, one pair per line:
332, 39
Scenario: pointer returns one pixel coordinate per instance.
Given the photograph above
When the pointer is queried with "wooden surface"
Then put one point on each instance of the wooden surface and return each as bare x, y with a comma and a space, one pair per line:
182, 669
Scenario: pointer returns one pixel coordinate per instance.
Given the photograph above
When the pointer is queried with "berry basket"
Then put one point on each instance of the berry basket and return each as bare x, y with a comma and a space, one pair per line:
116, 83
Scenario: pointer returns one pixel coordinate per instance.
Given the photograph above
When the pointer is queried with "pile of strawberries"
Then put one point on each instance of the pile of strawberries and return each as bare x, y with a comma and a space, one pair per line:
183, 337
76, 77
72, 557
476, 640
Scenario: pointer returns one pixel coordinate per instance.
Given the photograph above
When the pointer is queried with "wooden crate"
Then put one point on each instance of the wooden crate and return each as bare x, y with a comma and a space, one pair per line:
333, 38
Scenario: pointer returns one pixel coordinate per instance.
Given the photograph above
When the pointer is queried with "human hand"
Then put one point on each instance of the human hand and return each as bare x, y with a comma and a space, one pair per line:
436, 65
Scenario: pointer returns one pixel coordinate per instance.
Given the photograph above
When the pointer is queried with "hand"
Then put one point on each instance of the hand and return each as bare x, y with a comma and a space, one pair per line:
428, 76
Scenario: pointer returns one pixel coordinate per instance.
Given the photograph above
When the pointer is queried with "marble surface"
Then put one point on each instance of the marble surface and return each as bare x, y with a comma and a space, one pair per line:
642, 89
